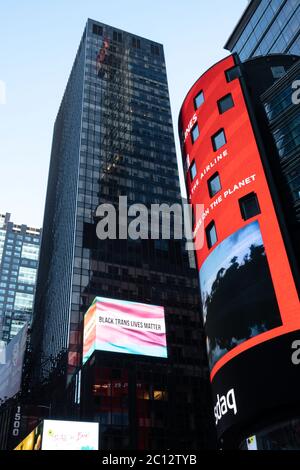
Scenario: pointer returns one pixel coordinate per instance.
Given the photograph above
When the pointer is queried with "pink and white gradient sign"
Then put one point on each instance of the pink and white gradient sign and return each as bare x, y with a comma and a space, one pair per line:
126, 327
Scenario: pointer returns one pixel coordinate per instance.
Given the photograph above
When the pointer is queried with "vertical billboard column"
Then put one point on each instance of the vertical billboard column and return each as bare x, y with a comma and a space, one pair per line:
249, 300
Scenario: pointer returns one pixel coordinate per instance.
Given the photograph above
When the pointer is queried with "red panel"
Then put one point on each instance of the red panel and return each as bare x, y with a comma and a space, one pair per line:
240, 162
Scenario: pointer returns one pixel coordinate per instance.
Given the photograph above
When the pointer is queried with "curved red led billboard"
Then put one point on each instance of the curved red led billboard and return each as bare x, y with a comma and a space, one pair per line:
248, 292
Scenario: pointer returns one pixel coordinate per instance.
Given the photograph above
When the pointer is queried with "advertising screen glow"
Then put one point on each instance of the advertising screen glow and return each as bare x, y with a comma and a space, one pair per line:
126, 327
238, 261
62, 435
247, 287
70, 435
250, 303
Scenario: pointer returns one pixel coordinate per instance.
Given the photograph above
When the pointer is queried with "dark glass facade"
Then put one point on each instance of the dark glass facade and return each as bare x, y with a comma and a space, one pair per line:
283, 436
267, 27
19, 252
113, 137
283, 116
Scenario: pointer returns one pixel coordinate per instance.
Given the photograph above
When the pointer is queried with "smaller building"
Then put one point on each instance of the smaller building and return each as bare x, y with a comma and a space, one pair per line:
19, 253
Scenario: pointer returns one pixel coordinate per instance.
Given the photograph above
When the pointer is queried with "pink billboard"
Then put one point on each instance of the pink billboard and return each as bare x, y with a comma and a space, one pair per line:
124, 327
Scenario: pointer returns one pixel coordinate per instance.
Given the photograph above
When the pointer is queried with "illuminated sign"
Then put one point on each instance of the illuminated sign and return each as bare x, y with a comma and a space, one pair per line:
62, 435
250, 304
33, 441
124, 327
70, 435
237, 265
225, 404
190, 126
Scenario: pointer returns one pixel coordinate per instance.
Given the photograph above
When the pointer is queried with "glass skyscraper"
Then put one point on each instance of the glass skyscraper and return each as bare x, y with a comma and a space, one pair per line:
19, 252
113, 137
283, 118
267, 27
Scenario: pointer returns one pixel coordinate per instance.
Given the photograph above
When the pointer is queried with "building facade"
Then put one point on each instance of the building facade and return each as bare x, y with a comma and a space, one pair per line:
283, 118
19, 253
113, 137
267, 27
246, 232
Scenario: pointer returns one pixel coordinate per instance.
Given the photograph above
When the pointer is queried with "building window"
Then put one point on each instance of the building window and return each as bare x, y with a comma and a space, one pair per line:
211, 234
214, 184
30, 251
117, 36
225, 103
233, 73
23, 301
193, 171
278, 71
160, 395
97, 30
195, 133
27, 275
154, 49
136, 43
199, 100
219, 139
249, 206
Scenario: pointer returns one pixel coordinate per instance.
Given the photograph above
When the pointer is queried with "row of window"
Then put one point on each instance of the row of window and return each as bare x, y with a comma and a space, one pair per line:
12, 292
118, 37
11, 237
249, 207
230, 75
218, 140
256, 28
214, 182
224, 104
282, 25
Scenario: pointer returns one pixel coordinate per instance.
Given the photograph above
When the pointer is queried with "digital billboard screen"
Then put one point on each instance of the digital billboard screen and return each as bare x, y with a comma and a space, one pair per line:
70, 435
32, 441
124, 327
62, 435
250, 303
237, 265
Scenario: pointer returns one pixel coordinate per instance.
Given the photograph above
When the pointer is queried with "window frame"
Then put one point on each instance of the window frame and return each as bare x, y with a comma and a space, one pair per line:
216, 174
207, 233
97, 29
236, 68
195, 126
215, 149
192, 165
201, 92
222, 99
244, 198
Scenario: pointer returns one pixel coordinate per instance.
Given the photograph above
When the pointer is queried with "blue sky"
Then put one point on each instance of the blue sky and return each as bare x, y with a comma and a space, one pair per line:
39, 40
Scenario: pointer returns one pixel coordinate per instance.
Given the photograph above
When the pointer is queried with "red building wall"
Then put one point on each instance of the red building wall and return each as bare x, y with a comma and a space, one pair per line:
241, 172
